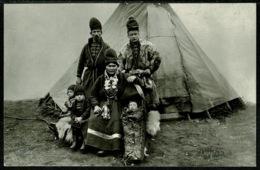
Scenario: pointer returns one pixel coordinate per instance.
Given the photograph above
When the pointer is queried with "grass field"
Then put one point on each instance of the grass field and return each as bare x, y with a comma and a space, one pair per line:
196, 143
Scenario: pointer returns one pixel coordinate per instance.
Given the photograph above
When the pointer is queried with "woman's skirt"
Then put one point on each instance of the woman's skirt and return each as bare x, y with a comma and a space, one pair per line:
105, 134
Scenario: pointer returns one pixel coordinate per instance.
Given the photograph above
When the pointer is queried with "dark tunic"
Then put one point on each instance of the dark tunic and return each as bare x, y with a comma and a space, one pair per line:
102, 133
95, 65
79, 109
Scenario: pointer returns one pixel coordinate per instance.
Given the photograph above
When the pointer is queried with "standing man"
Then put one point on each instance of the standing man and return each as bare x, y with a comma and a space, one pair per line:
140, 58
92, 57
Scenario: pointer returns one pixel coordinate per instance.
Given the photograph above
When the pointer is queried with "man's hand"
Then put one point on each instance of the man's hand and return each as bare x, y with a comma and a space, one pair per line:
147, 72
78, 81
97, 109
131, 79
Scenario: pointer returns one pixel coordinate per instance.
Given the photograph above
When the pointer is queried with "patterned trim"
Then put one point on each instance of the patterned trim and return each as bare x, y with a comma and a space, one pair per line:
102, 135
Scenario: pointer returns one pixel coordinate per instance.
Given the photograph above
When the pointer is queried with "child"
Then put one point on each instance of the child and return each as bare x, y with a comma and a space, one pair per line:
69, 102
132, 112
134, 133
80, 111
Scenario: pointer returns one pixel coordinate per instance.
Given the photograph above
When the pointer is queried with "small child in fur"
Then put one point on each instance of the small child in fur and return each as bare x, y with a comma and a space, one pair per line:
80, 111
132, 111
70, 101
134, 133
153, 118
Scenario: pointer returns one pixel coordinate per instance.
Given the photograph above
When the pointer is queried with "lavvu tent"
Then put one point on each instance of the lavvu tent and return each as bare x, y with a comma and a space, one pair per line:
187, 80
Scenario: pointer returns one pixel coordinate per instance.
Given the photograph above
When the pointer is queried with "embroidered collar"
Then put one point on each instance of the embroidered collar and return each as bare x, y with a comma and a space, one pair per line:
111, 85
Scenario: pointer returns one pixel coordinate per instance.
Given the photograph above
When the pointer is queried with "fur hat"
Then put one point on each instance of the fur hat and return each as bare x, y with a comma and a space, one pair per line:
110, 56
71, 87
79, 89
94, 24
132, 24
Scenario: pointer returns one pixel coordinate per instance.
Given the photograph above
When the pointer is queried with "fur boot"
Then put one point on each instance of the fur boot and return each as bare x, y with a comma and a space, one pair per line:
153, 122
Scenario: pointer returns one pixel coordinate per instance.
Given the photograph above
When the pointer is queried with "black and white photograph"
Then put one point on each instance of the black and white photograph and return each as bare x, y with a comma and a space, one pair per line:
129, 84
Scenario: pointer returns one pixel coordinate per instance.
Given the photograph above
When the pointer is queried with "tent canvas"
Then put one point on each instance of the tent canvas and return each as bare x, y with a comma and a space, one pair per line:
187, 78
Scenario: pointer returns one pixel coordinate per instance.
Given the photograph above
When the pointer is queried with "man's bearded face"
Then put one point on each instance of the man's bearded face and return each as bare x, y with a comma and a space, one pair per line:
96, 34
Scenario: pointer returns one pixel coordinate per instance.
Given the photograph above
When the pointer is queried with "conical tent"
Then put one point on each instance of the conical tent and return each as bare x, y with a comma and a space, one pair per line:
187, 78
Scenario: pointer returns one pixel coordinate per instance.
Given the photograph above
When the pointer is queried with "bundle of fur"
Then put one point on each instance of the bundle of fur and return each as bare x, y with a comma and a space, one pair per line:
153, 122
64, 130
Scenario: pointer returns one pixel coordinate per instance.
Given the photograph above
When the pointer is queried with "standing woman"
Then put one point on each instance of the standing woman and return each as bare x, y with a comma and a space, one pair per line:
105, 127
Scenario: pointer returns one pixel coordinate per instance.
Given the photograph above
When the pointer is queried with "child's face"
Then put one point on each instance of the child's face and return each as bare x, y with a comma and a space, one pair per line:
70, 93
133, 106
80, 97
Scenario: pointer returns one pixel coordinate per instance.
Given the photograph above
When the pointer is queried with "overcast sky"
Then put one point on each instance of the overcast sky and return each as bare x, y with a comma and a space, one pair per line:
42, 40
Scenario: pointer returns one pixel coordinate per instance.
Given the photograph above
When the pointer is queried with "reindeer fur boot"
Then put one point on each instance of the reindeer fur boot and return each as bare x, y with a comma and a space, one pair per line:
153, 122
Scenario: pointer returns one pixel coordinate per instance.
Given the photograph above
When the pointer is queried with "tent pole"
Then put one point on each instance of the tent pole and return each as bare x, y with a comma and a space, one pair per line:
208, 114
242, 101
229, 106
184, 70
188, 115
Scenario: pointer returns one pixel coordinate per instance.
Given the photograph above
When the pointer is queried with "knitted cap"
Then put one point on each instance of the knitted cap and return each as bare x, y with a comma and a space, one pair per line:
79, 89
71, 87
110, 56
132, 24
94, 24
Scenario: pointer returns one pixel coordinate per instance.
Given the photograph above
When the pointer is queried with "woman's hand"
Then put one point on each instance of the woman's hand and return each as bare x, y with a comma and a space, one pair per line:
97, 109
78, 81
78, 119
131, 79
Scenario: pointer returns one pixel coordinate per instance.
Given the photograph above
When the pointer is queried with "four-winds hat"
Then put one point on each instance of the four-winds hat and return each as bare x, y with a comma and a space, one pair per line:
94, 24
78, 89
110, 56
132, 24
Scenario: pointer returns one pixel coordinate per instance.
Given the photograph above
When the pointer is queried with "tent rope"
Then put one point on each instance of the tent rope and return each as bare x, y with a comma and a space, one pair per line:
22, 118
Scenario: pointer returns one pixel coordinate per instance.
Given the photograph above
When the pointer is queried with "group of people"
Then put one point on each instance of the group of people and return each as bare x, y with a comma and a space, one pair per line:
116, 95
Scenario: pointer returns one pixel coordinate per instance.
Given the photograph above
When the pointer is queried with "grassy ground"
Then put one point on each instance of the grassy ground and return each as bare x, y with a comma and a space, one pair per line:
197, 143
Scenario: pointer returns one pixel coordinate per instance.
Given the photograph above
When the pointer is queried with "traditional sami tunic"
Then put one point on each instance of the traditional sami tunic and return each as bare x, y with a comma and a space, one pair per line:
92, 57
106, 134
141, 56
